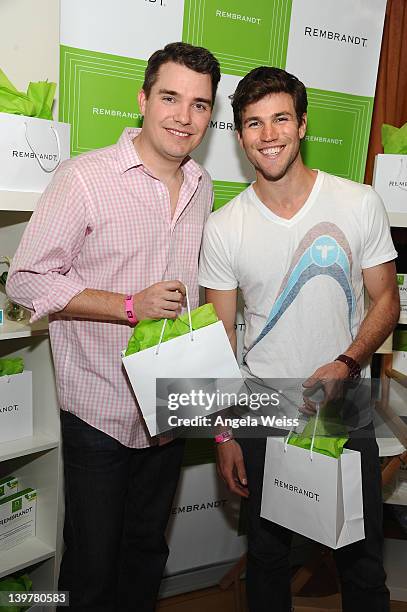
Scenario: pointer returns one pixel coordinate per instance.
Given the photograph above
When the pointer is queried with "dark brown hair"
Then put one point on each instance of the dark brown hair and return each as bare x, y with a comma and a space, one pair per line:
198, 59
263, 81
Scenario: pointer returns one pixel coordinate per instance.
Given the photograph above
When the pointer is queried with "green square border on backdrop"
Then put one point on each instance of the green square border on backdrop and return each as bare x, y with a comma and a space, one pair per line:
79, 66
356, 112
269, 49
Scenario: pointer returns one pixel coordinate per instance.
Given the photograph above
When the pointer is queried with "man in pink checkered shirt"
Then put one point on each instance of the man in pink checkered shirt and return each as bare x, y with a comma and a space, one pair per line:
115, 238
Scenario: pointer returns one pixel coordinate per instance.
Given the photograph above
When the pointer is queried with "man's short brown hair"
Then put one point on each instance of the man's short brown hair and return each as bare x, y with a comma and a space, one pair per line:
261, 82
198, 59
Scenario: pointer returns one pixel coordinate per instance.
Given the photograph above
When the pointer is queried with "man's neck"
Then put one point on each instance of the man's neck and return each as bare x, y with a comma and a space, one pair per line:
286, 196
167, 170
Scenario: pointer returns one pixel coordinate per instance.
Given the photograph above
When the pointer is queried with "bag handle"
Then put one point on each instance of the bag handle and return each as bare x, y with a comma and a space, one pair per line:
191, 333
289, 433
400, 176
313, 433
48, 170
318, 405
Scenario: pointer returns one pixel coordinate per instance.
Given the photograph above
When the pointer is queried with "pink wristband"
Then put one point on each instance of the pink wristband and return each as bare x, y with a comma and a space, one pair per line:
129, 309
225, 436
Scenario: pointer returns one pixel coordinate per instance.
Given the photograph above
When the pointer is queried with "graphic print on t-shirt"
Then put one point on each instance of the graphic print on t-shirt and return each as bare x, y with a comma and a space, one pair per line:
324, 250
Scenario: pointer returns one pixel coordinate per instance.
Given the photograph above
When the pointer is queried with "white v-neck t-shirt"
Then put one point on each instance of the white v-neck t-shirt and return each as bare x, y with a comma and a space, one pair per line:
301, 278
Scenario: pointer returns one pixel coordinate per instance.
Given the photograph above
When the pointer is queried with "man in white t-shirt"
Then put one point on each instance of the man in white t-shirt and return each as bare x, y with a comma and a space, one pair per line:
302, 246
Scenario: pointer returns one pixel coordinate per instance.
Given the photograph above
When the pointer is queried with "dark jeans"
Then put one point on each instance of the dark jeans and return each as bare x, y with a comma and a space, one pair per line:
360, 565
117, 504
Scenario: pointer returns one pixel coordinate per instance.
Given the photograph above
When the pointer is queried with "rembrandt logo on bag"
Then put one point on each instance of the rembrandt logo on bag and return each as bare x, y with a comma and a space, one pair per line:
210, 505
296, 489
32, 155
10, 408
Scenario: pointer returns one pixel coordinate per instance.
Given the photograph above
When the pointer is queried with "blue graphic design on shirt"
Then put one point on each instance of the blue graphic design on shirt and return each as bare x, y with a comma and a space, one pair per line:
327, 255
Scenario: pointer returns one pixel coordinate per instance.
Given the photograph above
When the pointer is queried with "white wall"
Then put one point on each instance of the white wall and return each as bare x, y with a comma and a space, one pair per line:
29, 40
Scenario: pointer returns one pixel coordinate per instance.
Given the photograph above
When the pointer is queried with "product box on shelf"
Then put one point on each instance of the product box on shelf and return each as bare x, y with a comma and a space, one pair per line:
17, 518
8, 486
402, 285
390, 181
31, 150
16, 413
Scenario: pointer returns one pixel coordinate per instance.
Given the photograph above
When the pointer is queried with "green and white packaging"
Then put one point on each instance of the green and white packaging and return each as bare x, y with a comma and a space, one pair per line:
17, 518
8, 486
402, 284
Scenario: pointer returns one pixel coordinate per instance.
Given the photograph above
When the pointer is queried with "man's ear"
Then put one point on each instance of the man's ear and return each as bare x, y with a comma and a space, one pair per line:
303, 126
142, 98
240, 140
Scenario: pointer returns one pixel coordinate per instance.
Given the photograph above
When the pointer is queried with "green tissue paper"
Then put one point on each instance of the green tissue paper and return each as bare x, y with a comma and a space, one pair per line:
15, 584
394, 140
37, 102
147, 332
327, 439
14, 365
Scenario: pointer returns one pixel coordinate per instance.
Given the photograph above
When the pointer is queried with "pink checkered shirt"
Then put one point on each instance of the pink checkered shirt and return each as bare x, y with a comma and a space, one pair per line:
105, 223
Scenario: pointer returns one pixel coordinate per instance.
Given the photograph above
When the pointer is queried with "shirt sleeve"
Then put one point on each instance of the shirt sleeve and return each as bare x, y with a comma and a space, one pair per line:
39, 277
378, 244
215, 266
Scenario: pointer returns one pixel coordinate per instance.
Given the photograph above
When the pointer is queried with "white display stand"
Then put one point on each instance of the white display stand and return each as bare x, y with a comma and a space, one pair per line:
29, 51
35, 460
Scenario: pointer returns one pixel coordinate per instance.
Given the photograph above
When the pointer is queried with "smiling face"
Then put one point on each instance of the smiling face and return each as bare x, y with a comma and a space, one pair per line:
176, 112
271, 136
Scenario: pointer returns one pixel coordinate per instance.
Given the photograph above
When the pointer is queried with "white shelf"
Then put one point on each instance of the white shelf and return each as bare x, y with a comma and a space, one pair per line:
27, 446
31, 551
18, 200
17, 329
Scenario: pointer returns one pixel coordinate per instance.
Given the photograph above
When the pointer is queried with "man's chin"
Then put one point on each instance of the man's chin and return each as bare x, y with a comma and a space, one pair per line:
272, 177
177, 155
179, 152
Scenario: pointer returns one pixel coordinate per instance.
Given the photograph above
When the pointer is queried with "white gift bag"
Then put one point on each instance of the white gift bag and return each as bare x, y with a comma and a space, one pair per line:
31, 150
312, 494
390, 181
16, 415
204, 354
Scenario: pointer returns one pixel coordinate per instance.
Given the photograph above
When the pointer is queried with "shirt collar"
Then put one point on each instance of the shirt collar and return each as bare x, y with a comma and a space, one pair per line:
127, 156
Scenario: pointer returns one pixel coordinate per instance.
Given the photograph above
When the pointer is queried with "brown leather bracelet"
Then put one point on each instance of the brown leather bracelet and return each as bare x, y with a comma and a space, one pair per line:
353, 366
